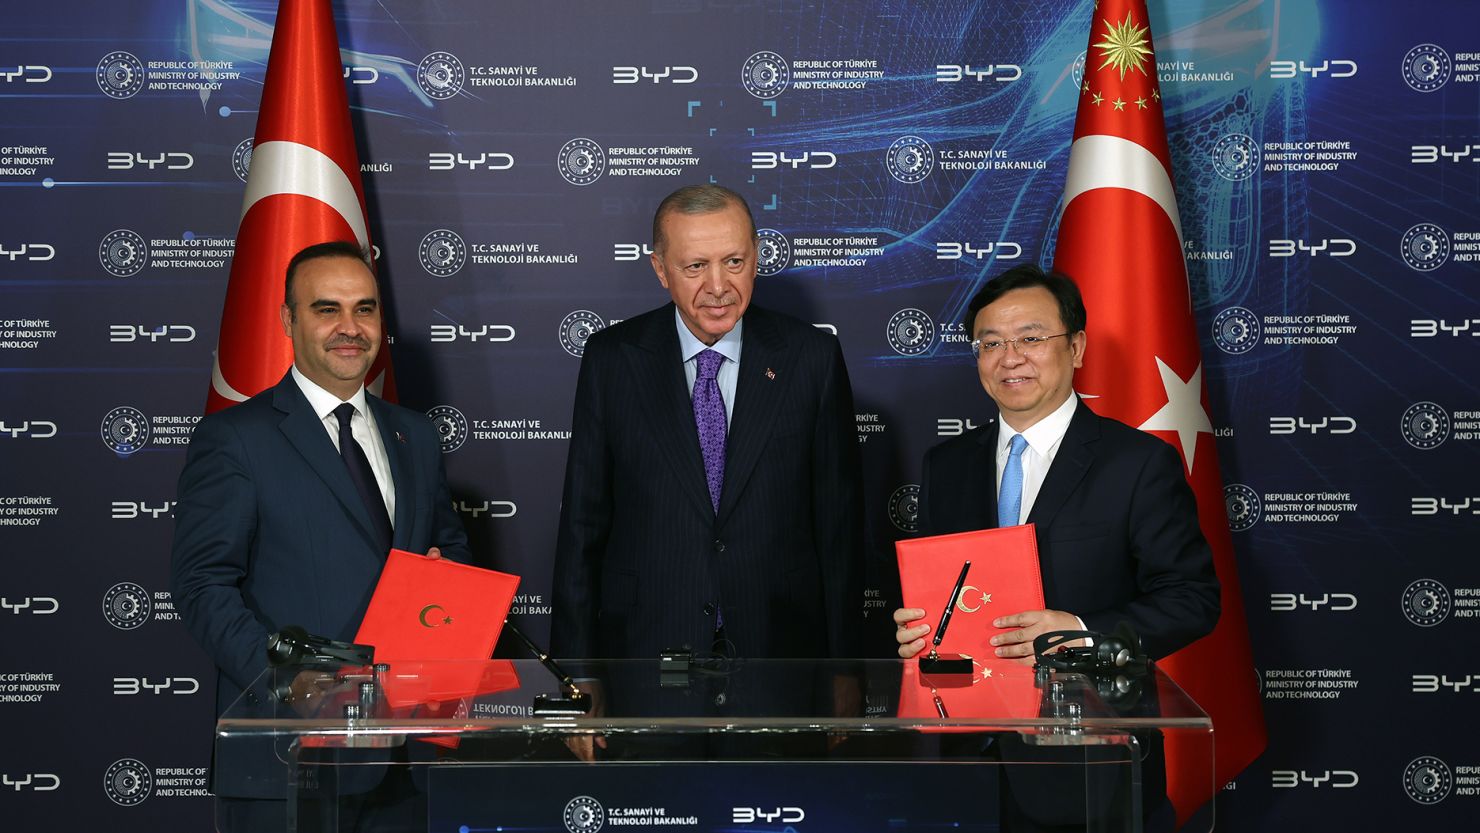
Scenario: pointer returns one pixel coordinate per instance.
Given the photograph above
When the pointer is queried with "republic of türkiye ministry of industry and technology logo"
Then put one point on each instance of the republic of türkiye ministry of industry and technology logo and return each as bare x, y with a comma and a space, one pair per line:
1236, 330
128, 782
441, 75
127, 605
910, 159
576, 328
904, 508
442, 253
1427, 780
123, 253
581, 161
1425, 247
765, 75
584, 814
1236, 157
120, 75
451, 425
773, 252
241, 159
1426, 602
1426, 68
1242, 505
910, 331
125, 429
1425, 425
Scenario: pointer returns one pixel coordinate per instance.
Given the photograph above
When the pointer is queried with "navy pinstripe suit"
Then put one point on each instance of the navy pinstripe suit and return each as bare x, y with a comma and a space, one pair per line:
643, 561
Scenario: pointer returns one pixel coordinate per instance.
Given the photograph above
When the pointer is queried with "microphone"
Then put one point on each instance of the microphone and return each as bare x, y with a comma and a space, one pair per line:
292, 645
575, 701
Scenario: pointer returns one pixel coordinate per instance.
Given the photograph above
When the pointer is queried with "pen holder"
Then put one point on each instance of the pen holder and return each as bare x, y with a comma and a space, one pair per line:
937, 663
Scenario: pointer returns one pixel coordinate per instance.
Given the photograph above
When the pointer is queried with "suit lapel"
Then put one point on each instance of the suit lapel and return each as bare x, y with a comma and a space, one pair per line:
757, 395
307, 434
657, 366
986, 466
398, 453
1073, 459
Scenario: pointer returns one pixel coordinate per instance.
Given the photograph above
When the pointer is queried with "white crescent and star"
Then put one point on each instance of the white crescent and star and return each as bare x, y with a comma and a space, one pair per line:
961, 600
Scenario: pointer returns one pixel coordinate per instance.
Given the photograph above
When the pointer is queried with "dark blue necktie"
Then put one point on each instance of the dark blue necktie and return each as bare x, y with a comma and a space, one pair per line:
363, 477
1010, 502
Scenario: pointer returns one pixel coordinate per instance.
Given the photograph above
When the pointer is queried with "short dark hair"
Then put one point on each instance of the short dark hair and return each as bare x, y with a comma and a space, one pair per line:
1027, 276
335, 248
697, 199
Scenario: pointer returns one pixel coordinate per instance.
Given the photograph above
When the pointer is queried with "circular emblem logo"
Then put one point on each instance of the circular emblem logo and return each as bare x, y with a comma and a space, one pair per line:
1425, 247
442, 253
123, 253
126, 605
584, 814
910, 159
120, 75
452, 427
1236, 330
1236, 157
128, 782
1427, 780
125, 430
1426, 602
904, 508
773, 252
910, 332
1242, 505
576, 328
765, 75
1425, 425
1426, 67
241, 159
582, 161
441, 75
1077, 69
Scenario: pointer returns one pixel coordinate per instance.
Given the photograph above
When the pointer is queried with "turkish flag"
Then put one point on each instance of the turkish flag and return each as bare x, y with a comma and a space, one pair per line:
303, 187
1121, 240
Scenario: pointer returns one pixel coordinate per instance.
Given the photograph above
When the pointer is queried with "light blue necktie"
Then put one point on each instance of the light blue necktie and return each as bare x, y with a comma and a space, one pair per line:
1010, 502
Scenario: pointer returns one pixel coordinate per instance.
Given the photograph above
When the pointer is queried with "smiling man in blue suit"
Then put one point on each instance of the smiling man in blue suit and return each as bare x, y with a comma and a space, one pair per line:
290, 501
712, 488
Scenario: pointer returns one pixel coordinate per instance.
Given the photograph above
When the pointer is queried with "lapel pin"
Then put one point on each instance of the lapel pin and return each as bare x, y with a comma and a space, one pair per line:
400, 438
770, 374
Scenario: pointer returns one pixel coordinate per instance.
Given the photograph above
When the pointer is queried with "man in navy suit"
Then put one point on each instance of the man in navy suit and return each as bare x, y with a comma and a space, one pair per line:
712, 489
1117, 527
289, 502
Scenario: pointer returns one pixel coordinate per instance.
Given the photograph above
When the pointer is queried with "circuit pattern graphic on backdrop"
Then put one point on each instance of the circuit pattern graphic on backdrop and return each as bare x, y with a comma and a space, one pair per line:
896, 154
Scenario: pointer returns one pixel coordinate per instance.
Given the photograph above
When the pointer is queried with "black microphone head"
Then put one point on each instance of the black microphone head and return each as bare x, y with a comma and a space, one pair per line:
286, 646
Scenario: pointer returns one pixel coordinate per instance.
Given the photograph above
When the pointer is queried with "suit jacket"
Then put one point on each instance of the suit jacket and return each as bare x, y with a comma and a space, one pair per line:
1117, 527
269, 530
643, 561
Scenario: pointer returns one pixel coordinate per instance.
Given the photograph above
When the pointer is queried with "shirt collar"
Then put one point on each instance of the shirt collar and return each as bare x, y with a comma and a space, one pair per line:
1043, 434
690, 346
324, 402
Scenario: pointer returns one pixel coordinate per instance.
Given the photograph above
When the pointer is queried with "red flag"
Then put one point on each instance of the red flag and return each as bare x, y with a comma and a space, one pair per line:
1120, 238
303, 188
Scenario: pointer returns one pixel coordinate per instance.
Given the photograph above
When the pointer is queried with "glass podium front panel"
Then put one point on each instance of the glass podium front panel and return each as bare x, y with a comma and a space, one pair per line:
732, 745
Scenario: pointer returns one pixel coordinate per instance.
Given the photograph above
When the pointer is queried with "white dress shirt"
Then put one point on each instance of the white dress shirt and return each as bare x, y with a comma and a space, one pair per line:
1044, 438
728, 346
362, 425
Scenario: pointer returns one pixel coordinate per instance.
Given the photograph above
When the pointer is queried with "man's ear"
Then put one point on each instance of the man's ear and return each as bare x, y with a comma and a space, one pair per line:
1077, 345
656, 259
285, 314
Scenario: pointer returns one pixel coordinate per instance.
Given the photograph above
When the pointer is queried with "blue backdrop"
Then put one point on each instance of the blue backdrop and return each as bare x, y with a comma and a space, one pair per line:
897, 154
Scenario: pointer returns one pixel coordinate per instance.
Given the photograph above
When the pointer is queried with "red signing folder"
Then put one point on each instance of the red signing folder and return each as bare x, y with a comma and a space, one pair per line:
1004, 579
431, 609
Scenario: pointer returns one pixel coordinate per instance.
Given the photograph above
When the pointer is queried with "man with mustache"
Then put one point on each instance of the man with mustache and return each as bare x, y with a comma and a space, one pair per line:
290, 501
712, 491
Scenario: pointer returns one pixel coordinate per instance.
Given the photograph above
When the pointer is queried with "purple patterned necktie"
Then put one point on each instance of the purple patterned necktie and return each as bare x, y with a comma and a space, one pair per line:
709, 414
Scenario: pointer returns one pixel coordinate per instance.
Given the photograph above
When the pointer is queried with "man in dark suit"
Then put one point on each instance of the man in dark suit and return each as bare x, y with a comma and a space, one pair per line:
1117, 527
712, 488
290, 501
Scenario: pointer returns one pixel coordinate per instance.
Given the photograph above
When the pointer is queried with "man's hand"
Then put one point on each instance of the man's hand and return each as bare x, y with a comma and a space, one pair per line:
909, 632
1018, 644
434, 553
584, 746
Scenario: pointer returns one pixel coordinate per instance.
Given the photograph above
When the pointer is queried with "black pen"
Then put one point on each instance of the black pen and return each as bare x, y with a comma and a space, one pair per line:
945, 617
